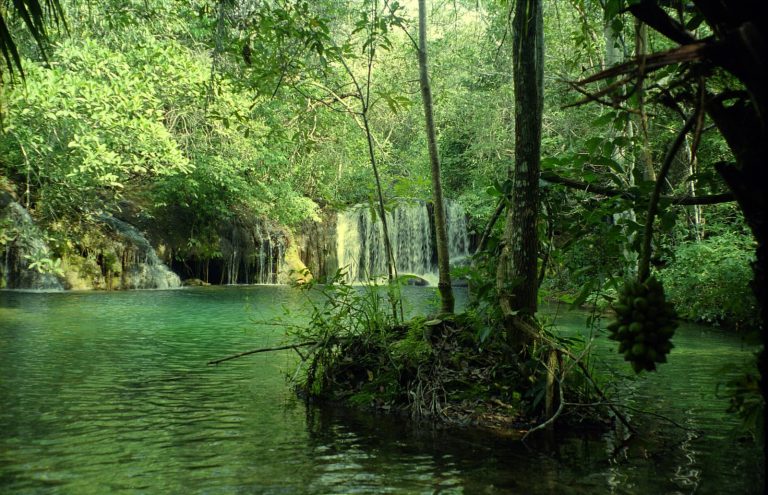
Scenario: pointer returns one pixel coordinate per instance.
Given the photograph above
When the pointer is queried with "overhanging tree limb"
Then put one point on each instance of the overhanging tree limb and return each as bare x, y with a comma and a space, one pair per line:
711, 199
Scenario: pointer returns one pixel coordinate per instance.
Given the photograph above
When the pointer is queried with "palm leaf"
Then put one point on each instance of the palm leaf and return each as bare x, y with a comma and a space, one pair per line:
36, 15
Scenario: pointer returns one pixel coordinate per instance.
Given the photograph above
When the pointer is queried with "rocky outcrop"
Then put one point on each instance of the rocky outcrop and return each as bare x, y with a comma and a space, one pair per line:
120, 258
134, 260
316, 244
26, 261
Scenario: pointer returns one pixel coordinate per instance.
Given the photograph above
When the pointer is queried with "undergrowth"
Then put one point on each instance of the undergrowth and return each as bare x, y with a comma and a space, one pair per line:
452, 369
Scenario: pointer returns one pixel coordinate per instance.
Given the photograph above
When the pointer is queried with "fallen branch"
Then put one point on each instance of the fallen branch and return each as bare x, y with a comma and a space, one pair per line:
599, 391
262, 349
635, 409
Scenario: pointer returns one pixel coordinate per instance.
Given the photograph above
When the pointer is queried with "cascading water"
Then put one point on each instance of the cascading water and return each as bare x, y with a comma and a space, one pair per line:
24, 245
360, 244
458, 234
253, 254
142, 268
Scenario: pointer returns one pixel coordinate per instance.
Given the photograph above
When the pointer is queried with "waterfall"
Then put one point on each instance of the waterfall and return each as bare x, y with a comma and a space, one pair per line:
142, 268
253, 254
458, 234
25, 243
360, 244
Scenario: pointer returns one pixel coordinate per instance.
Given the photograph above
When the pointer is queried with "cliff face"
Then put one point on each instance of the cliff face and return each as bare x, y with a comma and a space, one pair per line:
121, 258
26, 261
111, 253
316, 244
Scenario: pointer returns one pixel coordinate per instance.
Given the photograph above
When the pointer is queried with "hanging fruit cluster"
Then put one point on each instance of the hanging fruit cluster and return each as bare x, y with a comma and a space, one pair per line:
645, 323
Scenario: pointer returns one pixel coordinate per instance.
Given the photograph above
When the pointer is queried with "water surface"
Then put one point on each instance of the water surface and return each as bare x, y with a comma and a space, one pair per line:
109, 393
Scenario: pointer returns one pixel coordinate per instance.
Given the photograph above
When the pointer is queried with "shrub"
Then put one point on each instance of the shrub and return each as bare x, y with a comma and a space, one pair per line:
709, 280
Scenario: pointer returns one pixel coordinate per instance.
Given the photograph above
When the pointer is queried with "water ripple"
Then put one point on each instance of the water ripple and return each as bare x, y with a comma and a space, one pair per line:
109, 393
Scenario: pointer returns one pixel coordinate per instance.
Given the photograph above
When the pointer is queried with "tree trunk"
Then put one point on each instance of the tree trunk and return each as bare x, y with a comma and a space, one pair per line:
391, 268
646, 160
746, 131
441, 233
614, 55
517, 277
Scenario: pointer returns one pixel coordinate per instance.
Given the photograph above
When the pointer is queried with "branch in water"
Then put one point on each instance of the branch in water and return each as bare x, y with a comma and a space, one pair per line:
262, 349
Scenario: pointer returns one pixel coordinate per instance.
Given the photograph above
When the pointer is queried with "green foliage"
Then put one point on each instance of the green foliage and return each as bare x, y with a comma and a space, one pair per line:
92, 131
43, 264
413, 348
35, 16
85, 129
347, 321
709, 280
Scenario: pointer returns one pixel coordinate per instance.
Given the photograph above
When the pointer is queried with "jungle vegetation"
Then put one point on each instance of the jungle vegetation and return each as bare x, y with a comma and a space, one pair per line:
601, 148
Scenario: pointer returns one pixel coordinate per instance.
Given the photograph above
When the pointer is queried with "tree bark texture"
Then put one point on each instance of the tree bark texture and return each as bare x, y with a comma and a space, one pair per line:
441, 233
517, 277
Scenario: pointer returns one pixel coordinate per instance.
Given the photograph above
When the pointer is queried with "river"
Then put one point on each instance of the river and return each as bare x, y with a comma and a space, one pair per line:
109, 393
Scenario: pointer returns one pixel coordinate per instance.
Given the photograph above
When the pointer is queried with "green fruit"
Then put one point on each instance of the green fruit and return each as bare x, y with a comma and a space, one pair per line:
638, 315
652, 354
636, 327
623, 347
640, 303
621, 309
613, 327
638, 350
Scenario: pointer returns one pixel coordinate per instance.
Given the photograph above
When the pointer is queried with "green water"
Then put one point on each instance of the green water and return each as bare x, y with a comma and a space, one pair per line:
109, 393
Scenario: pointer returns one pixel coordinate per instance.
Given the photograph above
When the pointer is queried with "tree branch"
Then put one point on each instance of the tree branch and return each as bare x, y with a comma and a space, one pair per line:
712, 199
653, 205
262, 349
652, 14
500, 207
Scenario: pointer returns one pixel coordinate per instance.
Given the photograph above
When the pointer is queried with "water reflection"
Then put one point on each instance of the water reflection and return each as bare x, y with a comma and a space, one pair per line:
109, 393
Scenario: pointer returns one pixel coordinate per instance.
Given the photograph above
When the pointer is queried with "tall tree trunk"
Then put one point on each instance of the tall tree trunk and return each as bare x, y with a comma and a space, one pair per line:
641, 50
441, 231
517, 278
614, 55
